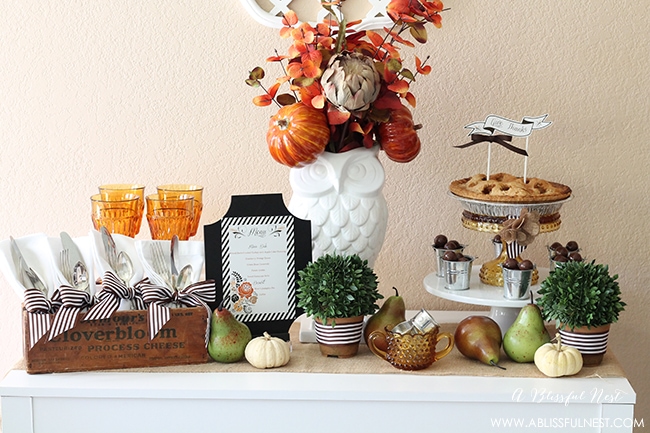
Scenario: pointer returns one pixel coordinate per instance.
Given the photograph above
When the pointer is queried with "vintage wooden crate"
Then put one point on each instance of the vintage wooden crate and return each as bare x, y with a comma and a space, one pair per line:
122, 341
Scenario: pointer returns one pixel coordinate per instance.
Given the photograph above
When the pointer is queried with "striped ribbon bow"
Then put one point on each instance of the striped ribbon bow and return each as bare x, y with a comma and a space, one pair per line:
111, 294
39, 309
158, 298
514, 249
72, 302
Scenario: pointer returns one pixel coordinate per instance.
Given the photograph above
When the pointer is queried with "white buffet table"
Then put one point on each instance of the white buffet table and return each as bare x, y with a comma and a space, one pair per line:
276, 401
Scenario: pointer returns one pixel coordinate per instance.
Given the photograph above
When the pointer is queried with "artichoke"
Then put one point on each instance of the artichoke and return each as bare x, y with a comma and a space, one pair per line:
351, 81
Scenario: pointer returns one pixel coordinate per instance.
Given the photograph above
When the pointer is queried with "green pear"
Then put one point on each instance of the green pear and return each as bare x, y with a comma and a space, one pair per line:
392, 312
479, 337
527, 334
228, 336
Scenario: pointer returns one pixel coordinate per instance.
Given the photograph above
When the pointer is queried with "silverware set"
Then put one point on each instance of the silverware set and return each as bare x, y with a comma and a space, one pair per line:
76, 274
72, 265
120, 262
174, 279
26, 275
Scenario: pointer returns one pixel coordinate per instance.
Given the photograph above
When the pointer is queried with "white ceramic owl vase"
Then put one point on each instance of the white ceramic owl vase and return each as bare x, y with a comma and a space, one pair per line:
341, 193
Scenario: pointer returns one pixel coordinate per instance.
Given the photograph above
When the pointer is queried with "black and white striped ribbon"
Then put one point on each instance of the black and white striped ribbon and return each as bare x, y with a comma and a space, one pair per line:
72, 302
38, 309
158, 298
111, 294
513, 249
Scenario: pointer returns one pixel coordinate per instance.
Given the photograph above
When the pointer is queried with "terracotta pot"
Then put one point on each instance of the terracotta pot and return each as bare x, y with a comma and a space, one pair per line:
591, 342
342, 339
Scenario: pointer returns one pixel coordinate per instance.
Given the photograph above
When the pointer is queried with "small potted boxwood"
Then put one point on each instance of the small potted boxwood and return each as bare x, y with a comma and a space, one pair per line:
337, 291
584, 300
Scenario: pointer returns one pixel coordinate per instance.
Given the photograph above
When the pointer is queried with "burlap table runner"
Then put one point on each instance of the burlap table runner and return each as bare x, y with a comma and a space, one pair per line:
306, 358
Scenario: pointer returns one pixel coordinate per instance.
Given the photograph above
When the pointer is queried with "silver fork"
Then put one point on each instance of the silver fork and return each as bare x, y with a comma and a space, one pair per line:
66, 267
160, 264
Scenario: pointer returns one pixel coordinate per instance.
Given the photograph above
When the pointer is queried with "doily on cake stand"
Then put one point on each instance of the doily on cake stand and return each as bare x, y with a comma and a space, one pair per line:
503, 311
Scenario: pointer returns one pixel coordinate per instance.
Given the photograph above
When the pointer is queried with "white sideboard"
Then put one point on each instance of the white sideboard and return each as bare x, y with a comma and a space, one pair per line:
298, 402
277, 401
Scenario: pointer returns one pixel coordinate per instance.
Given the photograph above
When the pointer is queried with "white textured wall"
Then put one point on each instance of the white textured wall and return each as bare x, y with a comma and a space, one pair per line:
109, 91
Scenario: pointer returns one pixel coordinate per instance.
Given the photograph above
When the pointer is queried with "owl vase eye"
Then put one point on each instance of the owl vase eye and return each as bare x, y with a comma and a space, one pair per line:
312, 179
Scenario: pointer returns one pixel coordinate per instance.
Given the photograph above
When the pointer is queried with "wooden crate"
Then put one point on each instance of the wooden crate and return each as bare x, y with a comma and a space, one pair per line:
122, 341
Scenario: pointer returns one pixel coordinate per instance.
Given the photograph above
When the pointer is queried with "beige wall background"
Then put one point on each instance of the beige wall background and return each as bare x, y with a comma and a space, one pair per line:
153, 92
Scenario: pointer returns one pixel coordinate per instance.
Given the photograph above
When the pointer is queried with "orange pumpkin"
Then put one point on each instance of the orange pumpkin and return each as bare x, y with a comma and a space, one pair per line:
398, 137
297, 134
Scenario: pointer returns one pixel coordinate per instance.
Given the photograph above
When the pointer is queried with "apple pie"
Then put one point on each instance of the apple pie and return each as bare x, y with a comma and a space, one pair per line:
506, 188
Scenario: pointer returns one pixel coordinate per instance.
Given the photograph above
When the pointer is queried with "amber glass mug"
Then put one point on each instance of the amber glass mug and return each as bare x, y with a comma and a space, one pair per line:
411, 351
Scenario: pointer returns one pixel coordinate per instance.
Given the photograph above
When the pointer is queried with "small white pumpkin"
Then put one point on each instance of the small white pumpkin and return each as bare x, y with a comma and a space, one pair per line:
267, 352
555, 360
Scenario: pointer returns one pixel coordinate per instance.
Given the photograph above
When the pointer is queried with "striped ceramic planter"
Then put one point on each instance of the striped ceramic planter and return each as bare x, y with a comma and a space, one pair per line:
342, 339
591, 342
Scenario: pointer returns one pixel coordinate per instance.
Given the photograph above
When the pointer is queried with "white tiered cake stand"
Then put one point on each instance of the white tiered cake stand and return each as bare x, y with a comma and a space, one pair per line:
503, 311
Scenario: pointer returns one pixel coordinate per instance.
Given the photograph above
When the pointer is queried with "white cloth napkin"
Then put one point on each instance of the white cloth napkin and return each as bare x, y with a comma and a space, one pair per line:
42, 254
32, 248
189, 253
122, 243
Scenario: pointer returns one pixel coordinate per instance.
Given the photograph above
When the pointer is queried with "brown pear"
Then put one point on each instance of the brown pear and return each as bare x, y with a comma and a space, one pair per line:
392, 312
479, 337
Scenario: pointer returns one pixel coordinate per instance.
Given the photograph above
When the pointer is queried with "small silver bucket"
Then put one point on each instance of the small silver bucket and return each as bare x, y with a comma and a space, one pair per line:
457, 274
498, 247
555, 265
516, 283
551, 256
440, 269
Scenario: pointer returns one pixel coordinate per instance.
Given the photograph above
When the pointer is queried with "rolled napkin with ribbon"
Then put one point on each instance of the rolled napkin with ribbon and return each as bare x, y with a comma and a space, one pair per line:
155, 256
29, 267
125, 245
37, 251
160, 299
76, 291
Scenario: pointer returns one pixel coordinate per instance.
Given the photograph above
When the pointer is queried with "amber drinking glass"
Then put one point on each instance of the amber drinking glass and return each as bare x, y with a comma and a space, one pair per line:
174, 190
170, 216
117, 215
411, 351
117, 191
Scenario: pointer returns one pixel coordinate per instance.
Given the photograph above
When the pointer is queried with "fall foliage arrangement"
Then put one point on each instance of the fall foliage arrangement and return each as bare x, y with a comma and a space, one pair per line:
345, 87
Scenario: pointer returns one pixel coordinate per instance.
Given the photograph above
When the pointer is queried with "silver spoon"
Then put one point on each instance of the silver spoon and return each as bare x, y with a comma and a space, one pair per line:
184, 278
80, 277
124, 269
